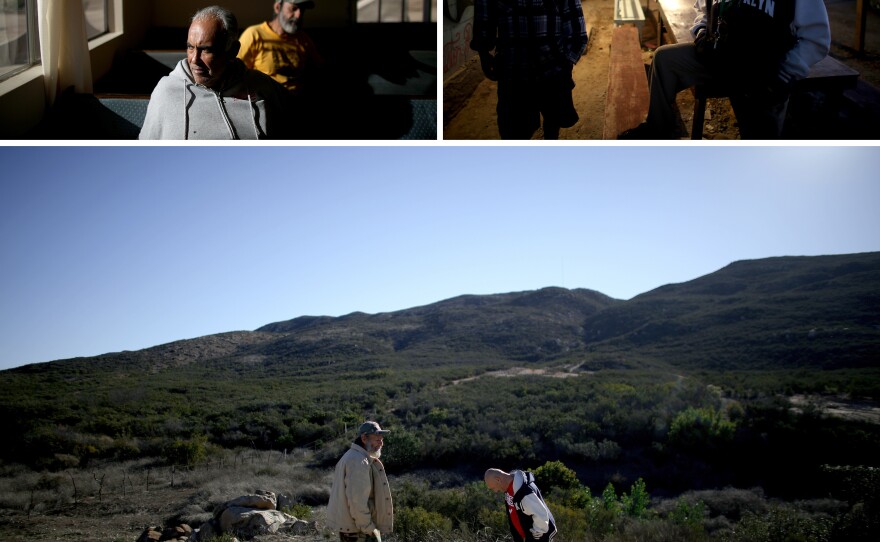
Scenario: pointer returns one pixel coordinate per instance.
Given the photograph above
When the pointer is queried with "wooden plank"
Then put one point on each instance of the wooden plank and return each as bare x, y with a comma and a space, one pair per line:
829, 74
626, 102
678, 16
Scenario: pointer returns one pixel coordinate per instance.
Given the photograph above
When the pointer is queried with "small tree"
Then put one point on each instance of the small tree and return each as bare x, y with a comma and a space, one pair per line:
636, 503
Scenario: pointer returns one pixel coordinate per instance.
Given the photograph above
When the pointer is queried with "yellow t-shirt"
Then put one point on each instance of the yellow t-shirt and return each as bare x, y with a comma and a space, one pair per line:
290, 60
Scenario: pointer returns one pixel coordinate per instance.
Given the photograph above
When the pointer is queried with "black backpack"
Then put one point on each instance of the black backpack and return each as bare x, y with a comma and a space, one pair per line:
529, 487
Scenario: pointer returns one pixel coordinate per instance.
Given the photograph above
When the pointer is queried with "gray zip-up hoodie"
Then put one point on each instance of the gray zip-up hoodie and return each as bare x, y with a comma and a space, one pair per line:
251, 105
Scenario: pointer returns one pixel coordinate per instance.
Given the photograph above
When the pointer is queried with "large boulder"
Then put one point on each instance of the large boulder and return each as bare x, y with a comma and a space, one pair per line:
261, 500
249, 522
246, 517
284, 501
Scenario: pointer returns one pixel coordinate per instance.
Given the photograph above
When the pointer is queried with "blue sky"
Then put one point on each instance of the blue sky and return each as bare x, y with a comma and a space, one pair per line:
110, 249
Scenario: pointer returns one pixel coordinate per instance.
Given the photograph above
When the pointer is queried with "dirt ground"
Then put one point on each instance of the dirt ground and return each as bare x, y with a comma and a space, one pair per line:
839, 407
112, 521
43, 507
469, 99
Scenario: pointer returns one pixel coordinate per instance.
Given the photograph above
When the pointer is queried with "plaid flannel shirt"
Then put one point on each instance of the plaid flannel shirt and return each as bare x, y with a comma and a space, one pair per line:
532, 38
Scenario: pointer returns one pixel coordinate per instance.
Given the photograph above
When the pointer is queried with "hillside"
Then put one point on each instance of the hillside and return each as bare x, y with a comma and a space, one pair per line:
527, 326
785, 312
749, 377
775, 313
789, 314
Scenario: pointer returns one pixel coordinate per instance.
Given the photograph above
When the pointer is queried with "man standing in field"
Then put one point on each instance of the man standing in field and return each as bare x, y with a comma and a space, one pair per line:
527, 513
360, 507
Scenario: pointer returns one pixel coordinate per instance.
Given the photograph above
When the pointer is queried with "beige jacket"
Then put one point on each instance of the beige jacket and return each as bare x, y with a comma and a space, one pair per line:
360, 499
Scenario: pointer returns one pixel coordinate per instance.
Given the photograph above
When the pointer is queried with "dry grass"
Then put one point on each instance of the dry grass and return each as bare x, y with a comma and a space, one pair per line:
116, 501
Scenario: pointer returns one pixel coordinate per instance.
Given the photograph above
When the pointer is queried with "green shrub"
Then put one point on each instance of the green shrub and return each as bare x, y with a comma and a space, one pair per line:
571, 522
415, 524
187, 452
655, 530
688, 515
556, 480
126, 448
579, 498
299, 511
602, 520
698, 429
555, 474
781, 524
403, 450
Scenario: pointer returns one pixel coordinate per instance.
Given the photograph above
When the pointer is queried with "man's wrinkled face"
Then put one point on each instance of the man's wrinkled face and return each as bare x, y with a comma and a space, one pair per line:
206, 52
289, 15
373, 445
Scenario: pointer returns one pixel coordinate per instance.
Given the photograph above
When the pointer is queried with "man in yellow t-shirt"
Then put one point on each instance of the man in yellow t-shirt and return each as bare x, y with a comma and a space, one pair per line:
281, 49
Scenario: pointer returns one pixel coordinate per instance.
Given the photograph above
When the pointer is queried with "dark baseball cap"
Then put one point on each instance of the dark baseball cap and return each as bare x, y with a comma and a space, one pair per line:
305, 4
371, 428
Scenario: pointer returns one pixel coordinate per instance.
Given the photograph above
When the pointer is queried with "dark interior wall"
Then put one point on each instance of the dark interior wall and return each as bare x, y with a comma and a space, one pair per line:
176, 13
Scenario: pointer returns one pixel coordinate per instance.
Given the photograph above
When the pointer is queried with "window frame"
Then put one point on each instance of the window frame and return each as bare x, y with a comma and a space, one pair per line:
428, 13
33, 36
106, 21
33, 45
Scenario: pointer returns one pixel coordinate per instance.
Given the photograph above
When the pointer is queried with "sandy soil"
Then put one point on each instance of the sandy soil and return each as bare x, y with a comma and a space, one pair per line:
470, 99
839, 407
520, 371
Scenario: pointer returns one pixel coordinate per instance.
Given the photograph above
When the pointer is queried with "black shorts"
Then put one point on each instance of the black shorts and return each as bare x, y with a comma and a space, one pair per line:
522, 103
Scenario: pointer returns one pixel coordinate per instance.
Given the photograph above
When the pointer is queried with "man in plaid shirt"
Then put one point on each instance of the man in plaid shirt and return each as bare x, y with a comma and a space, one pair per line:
536, 44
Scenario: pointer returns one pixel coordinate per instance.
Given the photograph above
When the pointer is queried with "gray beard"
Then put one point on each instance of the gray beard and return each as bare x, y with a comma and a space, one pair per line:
289, 26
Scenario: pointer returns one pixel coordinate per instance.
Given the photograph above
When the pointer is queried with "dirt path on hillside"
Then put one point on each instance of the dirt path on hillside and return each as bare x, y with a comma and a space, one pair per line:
471, 115
838, 407
522, 371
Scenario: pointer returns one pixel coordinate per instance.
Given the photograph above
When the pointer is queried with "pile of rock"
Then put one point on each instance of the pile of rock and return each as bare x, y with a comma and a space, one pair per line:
245, 517
180, 533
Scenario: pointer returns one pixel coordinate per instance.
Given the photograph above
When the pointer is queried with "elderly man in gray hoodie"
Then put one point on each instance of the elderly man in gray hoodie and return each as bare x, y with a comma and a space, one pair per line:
211, 94
360, 507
